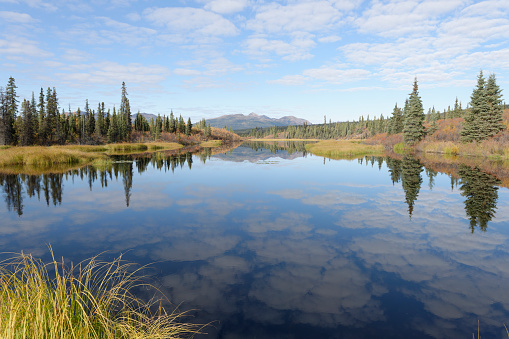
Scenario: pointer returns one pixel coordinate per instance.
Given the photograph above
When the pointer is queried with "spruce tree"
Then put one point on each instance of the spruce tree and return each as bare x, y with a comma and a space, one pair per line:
473, 126
113, 128
396, 123
493, 118
11, 109
124, 115
26, 132
189, 126
413, 129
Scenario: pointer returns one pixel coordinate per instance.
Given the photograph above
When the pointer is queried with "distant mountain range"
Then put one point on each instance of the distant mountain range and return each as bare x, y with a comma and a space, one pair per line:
241, 121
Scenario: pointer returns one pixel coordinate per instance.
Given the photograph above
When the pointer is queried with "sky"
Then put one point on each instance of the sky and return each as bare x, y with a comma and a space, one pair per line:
205, 58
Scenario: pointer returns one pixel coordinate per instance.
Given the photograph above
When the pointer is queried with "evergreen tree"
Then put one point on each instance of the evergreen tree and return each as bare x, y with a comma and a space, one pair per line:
173, 124
26, 131
124, 114
43, 123
99, 122
473, 126
35, 117
10, 112
493, 119
189, 126
3, 115
413, 129
396, 123
113, 128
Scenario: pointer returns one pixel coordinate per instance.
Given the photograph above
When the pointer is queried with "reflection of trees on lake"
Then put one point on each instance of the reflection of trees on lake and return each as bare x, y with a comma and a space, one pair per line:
394, 166
481, 192
431, 176
411, 179
274, 147
12, 186
51, 185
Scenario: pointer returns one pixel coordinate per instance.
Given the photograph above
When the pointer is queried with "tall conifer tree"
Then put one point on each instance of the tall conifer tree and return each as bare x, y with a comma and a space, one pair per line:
413, 129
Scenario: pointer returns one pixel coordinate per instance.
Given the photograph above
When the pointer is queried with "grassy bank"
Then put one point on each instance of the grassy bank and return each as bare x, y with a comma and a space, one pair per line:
44, 157
31, 158
90, 300
281, 140
211, 143
337, 149
124, 147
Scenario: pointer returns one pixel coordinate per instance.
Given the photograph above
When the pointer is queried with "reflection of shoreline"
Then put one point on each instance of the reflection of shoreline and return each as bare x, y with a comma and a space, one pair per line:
451, 164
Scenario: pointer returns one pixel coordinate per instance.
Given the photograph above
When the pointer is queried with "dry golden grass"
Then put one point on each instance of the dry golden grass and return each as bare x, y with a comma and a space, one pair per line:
44, 157
40, 159
211, 143
281, 140
339, 149
90, 300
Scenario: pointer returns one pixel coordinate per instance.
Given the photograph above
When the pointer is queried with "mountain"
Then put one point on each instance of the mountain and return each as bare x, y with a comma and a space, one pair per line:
241, 121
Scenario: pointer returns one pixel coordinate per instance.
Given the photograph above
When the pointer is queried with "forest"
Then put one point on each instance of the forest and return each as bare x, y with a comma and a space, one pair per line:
43, 122
482, 119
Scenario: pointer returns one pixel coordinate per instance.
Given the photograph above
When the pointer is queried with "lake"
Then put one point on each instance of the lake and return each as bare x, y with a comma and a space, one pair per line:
272, 242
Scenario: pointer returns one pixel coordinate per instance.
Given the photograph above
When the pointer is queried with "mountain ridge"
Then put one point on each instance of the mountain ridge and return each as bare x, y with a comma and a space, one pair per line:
253, 120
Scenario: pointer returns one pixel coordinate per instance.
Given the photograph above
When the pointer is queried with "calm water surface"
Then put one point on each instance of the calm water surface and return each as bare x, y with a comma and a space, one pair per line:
278, 244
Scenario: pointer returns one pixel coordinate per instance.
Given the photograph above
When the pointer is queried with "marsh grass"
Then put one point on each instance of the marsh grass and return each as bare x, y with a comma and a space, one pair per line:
90, 300
211, 143
40, 159
44, 157
340, 149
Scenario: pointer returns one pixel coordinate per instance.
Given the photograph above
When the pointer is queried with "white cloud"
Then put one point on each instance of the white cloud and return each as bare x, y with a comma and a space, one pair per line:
191, 20
309, 16
114, 73
22, 47
15, 17
399, 18
290, 80
330, 38
336, 75
226, 6
298, 49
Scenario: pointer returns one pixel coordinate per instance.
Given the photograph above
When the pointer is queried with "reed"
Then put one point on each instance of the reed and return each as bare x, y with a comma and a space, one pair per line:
90, 300
343, 148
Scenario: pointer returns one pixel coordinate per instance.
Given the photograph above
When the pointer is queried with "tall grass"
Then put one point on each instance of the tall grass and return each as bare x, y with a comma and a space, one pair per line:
343, 149
91, 300
39, 156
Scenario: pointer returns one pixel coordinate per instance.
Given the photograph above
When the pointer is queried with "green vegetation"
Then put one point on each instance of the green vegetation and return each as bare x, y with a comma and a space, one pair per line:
342, 148
90, 300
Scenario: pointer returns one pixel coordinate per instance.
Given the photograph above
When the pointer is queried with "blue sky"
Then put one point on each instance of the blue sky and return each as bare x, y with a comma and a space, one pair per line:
206, 58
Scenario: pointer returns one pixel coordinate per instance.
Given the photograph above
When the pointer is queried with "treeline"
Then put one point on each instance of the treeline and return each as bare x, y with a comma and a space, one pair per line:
42, 122
482, 119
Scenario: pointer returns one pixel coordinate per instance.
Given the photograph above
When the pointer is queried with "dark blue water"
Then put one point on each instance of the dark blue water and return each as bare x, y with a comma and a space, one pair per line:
280, 245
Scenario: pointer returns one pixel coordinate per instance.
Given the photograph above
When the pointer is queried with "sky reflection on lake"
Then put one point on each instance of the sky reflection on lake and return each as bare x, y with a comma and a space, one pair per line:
288, 245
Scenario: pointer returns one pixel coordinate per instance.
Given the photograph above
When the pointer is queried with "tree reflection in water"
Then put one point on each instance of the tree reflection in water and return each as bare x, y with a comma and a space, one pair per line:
481, 192
479, 188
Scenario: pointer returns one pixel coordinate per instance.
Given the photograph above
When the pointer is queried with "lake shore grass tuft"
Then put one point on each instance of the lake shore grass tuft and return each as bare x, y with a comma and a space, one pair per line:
90, 300
340, 149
